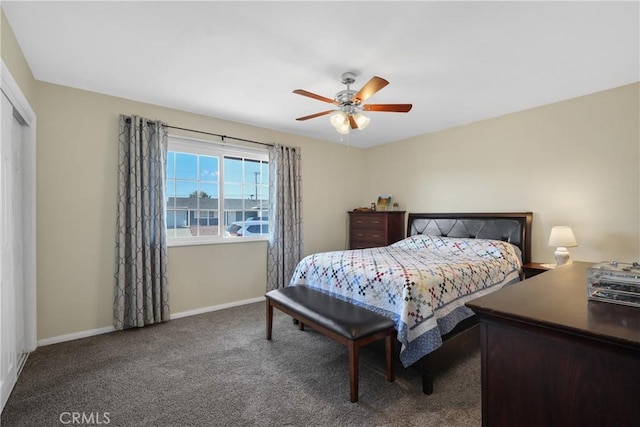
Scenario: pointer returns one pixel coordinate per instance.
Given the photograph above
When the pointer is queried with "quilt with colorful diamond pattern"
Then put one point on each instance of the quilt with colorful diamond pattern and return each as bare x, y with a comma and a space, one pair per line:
421, 282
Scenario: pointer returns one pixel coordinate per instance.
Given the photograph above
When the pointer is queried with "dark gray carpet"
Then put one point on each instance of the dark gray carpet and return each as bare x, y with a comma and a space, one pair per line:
217, 369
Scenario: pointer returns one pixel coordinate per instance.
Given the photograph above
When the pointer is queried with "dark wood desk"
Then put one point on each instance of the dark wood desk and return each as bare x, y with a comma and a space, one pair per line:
550, 357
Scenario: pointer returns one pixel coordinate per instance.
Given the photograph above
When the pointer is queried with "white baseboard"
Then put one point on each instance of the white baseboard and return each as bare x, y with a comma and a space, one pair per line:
75, 336
105, 330
215, 307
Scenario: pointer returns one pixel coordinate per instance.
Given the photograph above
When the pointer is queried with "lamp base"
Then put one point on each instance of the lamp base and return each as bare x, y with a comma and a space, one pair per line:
562, 255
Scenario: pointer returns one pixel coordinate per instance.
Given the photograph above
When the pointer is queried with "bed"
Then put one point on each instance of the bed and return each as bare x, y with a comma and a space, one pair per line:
423, 281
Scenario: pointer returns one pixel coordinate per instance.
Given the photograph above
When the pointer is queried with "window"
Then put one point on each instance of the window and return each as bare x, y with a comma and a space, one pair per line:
215, 192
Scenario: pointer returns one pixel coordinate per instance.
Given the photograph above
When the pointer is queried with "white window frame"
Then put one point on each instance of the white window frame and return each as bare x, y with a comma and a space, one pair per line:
220, 150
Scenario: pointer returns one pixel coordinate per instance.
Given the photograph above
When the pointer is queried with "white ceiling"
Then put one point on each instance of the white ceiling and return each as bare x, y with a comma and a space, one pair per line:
456, 62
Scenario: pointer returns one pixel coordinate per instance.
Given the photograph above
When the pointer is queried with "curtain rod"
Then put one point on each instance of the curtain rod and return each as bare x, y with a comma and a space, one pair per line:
218, 135
214, 134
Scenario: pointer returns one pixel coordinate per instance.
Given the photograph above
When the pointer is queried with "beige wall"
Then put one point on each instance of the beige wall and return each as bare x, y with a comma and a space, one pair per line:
571, 163
14, 60
77, 177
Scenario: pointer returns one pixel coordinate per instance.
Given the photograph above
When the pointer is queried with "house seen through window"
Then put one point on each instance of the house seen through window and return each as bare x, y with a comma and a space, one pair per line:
215, 192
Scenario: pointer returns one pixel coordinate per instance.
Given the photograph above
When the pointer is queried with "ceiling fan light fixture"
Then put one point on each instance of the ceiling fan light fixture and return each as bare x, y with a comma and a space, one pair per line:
361, 120
344, 128
339, 119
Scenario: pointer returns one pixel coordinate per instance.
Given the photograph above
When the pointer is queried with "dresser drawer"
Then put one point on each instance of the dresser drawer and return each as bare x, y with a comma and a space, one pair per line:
373, 229
368, 222
371, 237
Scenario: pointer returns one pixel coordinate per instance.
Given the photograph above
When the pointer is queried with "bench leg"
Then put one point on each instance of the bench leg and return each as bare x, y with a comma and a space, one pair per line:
427, 376
389, 347
269, 318
353, 371
301, 326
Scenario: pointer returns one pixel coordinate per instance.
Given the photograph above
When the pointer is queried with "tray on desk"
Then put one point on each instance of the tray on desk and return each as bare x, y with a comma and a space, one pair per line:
613, 282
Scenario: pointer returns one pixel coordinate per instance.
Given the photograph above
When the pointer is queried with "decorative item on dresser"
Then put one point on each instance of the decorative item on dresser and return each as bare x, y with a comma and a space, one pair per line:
372, 229
562, 238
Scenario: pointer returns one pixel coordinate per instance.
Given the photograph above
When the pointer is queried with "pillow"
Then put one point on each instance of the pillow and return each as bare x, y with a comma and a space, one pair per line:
463, 246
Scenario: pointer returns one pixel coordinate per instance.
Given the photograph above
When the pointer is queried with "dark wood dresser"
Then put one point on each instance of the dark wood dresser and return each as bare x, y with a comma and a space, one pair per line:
375, 228
551, 357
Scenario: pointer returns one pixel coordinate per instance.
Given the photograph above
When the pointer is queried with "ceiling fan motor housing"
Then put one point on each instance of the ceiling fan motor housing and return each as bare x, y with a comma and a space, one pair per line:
345, 97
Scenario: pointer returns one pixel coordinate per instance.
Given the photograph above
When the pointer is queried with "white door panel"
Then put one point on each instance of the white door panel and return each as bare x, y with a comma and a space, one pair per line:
12, 255
18, 232
18, 332
8, 351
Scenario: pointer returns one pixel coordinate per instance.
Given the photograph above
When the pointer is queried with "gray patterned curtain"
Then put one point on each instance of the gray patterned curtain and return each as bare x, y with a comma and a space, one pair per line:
141, 294
285, 215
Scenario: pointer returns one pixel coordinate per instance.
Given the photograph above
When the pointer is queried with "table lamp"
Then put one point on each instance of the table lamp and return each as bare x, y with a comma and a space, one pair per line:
562, 238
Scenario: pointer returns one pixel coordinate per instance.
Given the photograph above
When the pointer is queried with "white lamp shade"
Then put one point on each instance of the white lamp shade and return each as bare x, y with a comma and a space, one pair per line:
561, 235
343, 128
361, 120
338, 119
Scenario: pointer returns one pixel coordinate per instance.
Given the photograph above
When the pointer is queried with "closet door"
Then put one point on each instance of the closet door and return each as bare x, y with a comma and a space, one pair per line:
12, 340
17, 240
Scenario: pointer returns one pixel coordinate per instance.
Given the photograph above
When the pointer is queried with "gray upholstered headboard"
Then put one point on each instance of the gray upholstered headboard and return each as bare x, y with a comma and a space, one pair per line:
510, 227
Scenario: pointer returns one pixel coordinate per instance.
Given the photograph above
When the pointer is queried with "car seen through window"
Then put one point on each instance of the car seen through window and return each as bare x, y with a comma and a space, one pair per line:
251, 227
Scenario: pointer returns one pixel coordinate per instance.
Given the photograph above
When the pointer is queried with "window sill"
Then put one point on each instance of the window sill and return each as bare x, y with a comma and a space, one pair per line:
218, 241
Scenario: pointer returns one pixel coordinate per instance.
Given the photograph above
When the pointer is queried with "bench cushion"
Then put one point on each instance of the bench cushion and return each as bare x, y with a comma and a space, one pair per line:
341, 317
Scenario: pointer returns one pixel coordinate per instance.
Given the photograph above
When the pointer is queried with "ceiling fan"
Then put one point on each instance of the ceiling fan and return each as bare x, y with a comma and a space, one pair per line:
350, 104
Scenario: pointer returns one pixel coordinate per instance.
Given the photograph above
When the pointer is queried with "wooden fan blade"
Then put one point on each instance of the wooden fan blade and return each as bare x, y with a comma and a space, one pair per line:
352, 122
393, 108
372, 86
312, 116
314, 96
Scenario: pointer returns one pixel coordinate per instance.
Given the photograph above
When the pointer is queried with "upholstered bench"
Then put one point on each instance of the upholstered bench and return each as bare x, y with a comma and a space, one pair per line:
339, 320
